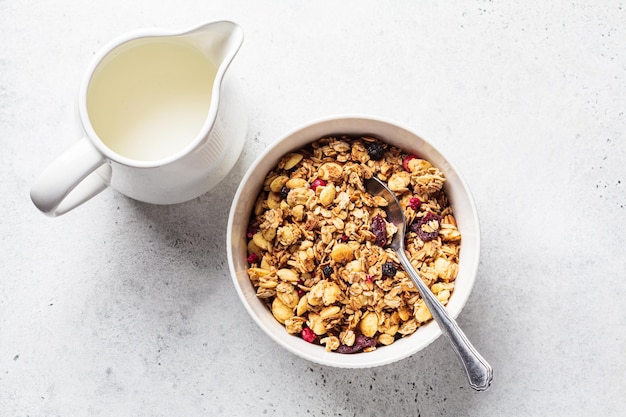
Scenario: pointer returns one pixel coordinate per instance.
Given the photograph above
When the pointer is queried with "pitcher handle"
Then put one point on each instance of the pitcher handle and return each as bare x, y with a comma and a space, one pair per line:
70, 180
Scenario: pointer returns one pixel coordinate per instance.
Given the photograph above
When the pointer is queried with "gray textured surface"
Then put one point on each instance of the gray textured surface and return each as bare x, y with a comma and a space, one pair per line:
125, 309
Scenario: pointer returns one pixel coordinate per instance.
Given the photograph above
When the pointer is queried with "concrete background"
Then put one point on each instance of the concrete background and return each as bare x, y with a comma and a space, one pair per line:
127, 309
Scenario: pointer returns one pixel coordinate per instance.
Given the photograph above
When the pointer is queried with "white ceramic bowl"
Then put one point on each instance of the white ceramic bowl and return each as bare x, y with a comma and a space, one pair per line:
241, 209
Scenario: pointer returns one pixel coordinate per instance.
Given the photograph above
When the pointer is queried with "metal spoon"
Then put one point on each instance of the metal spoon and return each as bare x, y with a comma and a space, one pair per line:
479, 372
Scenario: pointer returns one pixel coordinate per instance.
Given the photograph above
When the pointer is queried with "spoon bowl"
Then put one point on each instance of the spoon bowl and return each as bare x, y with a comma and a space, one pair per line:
479, 372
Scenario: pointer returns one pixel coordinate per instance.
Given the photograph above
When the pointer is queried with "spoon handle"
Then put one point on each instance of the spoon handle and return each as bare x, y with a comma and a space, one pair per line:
479, 372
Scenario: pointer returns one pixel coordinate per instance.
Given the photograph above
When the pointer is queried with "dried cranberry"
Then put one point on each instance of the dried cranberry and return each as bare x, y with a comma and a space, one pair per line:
360, 343
406, 161
253, 258
427, 235
415, 203
317, 183
389, 269
284, 192
369, 278
345, 238
379, 228
375, 151
327, 271
250, 233
308, 335
346, 349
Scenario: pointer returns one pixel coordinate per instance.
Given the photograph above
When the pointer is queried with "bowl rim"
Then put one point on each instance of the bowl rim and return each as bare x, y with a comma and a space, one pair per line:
400, 349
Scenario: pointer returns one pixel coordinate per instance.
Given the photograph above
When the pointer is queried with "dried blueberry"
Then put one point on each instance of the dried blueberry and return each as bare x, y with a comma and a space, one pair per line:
379, 229
389, 269
284, 192
327, 271
427, 227
375, 151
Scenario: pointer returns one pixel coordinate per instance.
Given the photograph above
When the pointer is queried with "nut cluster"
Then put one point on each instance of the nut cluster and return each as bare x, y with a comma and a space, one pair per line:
316, 243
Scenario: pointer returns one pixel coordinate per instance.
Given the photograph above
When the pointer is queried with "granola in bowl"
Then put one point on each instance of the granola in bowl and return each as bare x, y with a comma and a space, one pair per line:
242, 211
316, 243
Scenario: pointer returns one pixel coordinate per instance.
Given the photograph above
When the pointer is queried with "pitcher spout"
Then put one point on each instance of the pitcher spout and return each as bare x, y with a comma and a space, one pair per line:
220, 41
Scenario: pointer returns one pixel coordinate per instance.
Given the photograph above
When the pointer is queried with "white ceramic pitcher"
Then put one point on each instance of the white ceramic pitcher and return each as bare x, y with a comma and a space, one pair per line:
163, 120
